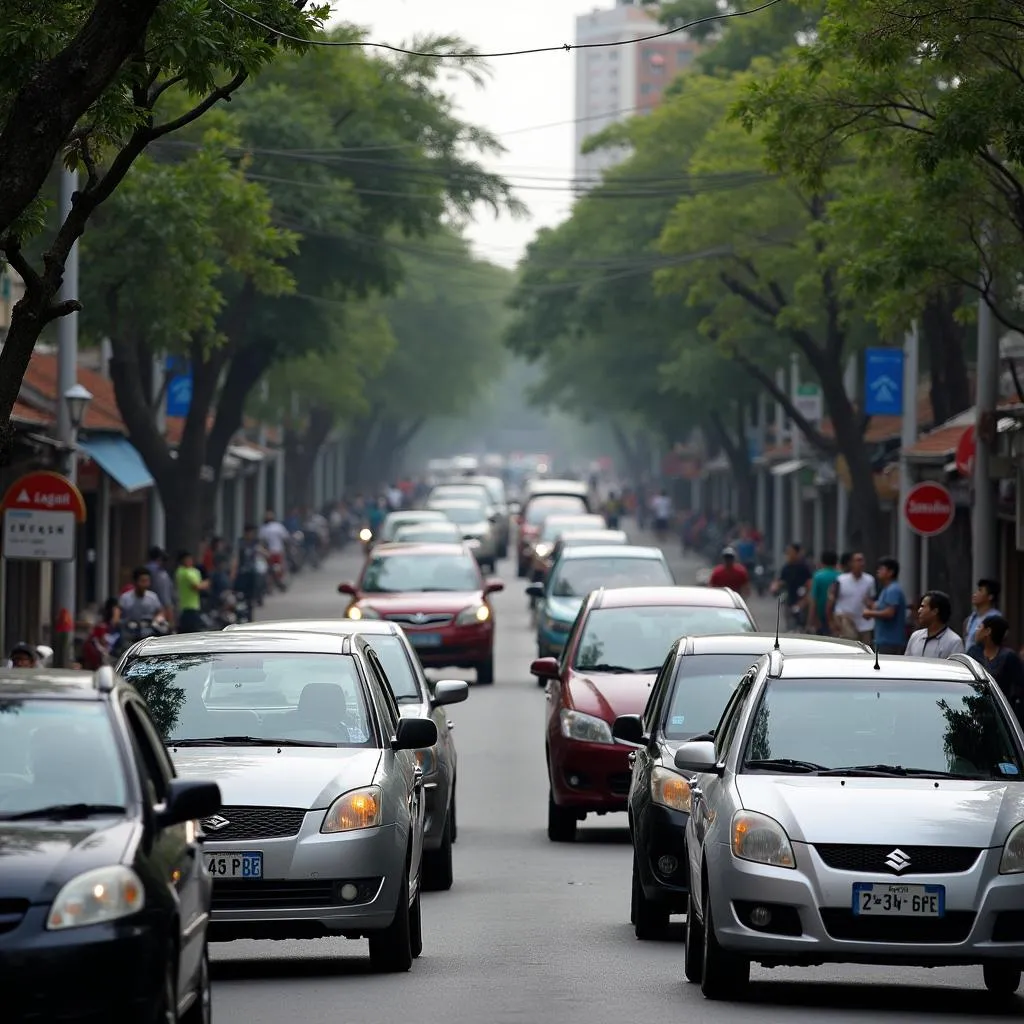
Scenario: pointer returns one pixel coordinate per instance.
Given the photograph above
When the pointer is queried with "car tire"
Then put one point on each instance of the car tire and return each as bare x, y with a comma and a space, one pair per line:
561, 822
391, 947
650, 919
416, 927
1002, 979
437, 864
723, 974
485, 672
201, 1011
693, 957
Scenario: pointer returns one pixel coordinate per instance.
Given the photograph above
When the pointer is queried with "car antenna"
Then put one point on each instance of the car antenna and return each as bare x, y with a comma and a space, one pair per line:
778, 622
874, 645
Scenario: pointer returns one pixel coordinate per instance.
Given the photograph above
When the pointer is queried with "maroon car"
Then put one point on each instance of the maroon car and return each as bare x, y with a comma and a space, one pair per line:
436, 594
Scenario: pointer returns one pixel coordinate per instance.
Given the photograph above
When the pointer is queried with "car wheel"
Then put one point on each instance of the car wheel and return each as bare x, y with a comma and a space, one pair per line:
201, 1011
391, 948
650, 919
1002, 979
437, 864
561, 823
416, 927
693, 958
485, 672
724, 974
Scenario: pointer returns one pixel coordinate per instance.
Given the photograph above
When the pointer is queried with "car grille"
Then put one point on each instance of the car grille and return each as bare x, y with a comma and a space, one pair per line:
255, 823
844, 924
282, 894
11, 913
619, 783
421, 619
920, 860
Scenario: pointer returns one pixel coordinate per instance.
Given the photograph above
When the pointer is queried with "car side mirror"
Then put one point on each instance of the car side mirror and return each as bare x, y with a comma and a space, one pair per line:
698, 756
414, 734
629, 729
493, 586
348, 588
450, 691
535, 590
189, 800
544, 668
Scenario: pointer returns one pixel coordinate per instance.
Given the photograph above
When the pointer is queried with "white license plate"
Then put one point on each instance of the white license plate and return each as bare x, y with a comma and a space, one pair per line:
888, 899
425, 639
234, 865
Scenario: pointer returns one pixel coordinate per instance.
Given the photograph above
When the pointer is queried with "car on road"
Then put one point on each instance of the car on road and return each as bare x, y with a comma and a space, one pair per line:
554, 527
583, 569
416, 696
322, 829
104, 900
394, 521
853, 810
574, 538
687, 700
534, 511
495, 487
436, 593
616, 647
442, 531
476, 521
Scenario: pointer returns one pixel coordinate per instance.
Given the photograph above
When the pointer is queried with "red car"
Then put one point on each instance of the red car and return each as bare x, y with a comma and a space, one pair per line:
613, 654
436, 594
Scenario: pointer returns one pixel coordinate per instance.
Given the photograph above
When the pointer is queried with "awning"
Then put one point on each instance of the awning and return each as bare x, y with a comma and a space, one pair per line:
788, 468
245, 452
117, 457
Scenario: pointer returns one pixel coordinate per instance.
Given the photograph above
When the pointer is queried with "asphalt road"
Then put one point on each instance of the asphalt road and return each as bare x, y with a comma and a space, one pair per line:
532, 932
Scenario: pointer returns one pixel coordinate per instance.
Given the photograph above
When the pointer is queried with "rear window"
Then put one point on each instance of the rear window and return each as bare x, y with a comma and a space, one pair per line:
540, 508
577, 577
702, 687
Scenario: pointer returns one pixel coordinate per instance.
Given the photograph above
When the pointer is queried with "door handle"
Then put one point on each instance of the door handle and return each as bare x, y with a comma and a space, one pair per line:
451, 724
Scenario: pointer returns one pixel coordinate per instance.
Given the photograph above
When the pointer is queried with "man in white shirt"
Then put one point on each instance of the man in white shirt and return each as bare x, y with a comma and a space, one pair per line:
274, 536
936, 639
661, 508
852, 594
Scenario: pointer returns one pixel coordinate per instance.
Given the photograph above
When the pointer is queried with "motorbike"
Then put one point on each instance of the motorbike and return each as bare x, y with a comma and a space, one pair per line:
134, 630
230, 609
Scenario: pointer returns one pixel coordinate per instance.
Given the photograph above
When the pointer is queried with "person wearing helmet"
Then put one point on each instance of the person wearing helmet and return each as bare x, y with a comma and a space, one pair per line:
24, 656
729, 573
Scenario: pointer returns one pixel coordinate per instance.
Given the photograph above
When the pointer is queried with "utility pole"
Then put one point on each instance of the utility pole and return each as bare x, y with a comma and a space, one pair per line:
986, 563
778, 482
157, 519
760, 474
842, 497
797, 532
906, 542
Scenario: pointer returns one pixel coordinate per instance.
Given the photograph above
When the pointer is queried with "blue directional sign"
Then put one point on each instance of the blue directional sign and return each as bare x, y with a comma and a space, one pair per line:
883, 382
179, 386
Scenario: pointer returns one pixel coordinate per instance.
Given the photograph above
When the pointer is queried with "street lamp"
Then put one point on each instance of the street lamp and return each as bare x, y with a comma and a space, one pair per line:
77, 399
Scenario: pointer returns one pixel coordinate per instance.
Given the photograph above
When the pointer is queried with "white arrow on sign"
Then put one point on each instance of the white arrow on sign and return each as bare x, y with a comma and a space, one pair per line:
885, 389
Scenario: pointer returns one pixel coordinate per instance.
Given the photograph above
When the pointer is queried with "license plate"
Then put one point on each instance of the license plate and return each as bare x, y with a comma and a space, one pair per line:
234, 865
425, 639
884, 899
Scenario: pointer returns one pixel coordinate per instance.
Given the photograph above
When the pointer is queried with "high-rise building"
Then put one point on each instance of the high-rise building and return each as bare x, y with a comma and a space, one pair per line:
615, 82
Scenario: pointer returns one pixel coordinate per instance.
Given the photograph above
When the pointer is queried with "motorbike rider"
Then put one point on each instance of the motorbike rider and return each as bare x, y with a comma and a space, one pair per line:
191, 586
246, 573
104, 637
24, 656
274, 536
162, 584
141, 602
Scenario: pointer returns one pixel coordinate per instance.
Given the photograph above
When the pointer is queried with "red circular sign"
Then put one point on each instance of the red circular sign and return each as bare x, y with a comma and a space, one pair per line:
965, 449
929, 509
45, 491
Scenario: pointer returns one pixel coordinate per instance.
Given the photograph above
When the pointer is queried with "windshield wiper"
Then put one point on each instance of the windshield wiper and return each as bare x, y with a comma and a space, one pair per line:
601, 667
784, 764
248, 741
896, 771
65, 812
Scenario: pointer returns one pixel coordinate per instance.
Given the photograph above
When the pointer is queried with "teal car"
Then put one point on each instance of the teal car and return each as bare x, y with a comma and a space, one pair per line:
581, 569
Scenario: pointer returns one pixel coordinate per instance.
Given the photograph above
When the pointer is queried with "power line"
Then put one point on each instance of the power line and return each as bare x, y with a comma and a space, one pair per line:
564, 47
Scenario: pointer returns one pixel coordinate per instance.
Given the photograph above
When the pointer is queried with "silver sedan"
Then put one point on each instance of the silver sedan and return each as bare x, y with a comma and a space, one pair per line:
857, 813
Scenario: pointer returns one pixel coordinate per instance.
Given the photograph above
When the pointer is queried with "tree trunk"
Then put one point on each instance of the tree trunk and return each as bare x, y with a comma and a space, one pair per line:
738, 454
187, 507
27, 324
382, 454
945, 341
300, 456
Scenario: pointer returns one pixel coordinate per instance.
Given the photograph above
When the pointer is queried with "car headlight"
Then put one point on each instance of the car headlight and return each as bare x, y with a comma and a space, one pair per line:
358, 809
758, 838
473, 616
670, 790
103, 894
365, 535
542, 550
427, 760
586, 728
1012, 860
356, 612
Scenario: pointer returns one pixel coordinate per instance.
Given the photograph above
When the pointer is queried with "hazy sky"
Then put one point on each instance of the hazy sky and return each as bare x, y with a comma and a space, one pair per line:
525, 92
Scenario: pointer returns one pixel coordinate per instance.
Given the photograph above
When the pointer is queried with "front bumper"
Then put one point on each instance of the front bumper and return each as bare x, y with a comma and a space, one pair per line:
813, 920
460, 646
661, 832
299, 895
591, 777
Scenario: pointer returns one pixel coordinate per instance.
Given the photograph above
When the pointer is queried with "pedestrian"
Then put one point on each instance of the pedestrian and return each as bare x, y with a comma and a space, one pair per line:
24, 656
1003, 663
160, 580
140, 603
822, 583
983, 601
729, 573
889, 611
661, 509
792, 582
103, 639
935, 639
852, 593
246, 572
191, 585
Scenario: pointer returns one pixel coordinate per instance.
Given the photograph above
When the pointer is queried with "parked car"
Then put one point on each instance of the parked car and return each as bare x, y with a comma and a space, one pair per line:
617, 646
687, 700
103, 895
322, 831
476, 521
416, 696
848, 813
436, 593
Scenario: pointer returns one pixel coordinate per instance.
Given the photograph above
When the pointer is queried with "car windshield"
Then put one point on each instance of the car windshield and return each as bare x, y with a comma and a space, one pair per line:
402, 573
446, 532
540, 508
701, 689
555, 526
61, 755
287, 698
461, 492
577, 577
892, 728
637, 639
464, 515
404, 682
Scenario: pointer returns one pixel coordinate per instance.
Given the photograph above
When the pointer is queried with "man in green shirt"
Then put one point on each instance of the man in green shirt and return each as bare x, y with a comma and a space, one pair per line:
189, 582
821, 585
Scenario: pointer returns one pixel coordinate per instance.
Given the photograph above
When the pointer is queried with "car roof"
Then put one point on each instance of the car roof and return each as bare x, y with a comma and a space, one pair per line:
763, 643
436, 503
577, 537
891, 667
619, 551
426, 514
682, 596
337, 627
444, 525
242, 641
415, 548
536, 488
72, 684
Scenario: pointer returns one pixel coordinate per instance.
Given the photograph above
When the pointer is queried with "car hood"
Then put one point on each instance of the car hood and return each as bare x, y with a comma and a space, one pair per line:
882, 811
607, 696
429, 601
564, 609
37, 858
308, 777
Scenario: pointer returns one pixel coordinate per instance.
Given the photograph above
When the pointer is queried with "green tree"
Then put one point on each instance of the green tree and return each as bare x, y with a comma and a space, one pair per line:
92, 81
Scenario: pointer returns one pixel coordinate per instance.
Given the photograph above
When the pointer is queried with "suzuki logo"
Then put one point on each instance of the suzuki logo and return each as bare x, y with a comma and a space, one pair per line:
215, 824
898, 861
